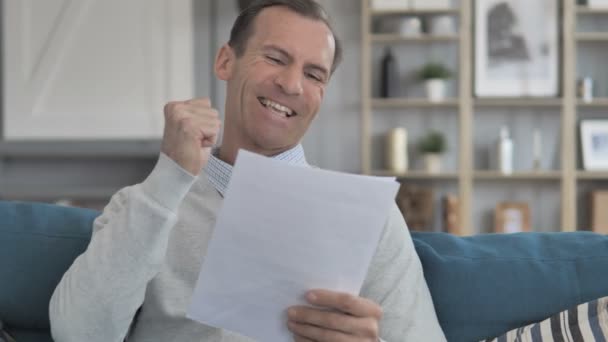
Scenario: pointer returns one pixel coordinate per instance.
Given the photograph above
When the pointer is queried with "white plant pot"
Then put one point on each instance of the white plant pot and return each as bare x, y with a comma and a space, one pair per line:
435, 89
432, 162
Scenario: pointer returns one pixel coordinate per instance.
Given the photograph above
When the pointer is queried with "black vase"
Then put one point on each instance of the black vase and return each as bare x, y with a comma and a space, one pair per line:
389, 76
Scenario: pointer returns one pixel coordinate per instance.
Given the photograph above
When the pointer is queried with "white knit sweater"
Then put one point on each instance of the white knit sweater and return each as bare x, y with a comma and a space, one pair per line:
146, 252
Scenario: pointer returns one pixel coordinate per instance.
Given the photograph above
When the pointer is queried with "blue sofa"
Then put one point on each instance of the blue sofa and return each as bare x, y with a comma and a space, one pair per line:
482, 286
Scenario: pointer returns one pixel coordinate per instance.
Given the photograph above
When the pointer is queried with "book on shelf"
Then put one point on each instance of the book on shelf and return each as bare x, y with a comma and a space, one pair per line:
599, 211
451, 214
416, 206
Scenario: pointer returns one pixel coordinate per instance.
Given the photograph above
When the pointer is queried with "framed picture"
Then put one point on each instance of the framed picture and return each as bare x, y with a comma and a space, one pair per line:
512, 217
594, 143
516, 48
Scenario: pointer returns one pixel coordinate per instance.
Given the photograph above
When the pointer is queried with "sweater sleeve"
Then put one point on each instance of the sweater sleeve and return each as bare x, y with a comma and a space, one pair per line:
395, 281
99, 295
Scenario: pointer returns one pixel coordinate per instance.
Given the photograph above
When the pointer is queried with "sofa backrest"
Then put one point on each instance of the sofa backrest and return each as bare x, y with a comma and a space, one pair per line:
482, 286
485, 285
38, 243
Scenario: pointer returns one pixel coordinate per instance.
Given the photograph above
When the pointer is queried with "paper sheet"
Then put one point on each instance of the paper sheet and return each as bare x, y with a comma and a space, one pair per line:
282, 231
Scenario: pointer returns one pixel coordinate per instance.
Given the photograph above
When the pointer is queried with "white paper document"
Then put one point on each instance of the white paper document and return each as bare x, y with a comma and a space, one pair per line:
284, 230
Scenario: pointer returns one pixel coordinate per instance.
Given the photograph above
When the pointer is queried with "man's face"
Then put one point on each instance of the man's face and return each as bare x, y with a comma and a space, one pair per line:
275, 89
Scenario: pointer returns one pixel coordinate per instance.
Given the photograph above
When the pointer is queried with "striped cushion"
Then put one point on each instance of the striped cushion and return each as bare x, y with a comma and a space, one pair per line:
585, 322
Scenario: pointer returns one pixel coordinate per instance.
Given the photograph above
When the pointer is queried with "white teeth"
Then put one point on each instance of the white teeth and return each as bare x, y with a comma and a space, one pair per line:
268, 103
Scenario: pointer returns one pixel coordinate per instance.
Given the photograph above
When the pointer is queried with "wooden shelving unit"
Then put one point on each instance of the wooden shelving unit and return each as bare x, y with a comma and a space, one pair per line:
411, 11
395, 38
532, 175
592, 175
592, 37
418, 175
567, 175
518, 102
412, 102
596, 102
586, 10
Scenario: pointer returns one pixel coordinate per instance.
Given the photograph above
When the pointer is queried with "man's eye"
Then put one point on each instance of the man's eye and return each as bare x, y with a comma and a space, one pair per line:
314, 77
274, 60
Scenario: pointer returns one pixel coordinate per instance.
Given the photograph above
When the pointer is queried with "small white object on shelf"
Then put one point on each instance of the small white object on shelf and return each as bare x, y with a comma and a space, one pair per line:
431, 4
505, 152
404, 26
390, 4
396, 150
441, 25
410, 27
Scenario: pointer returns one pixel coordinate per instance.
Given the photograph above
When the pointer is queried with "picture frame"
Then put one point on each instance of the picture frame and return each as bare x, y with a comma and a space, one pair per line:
512, 217
594, 144
513, 57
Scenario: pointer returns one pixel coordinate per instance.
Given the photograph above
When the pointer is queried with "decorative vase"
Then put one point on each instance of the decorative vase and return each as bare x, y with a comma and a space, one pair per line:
396, 150
435, 89
432, 162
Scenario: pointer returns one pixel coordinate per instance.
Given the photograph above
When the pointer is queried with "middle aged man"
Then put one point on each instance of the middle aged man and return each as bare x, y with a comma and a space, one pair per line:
137, 276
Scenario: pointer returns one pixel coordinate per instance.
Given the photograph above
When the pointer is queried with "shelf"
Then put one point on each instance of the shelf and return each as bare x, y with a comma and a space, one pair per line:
589, 10
529, 175
592, 36
397, 38
453, 11
411, 102
596, 102
518, 102
80, 149
417, 175
554, 185
592, 175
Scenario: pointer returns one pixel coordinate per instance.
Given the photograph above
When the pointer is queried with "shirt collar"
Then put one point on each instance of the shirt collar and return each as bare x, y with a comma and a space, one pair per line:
219, 172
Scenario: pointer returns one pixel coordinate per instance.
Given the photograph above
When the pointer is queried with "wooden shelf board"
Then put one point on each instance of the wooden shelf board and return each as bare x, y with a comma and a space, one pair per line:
411, 102
453, 11
528, 175
417, 175
592, 175
596, 102
589, 10
591, 36
518, 102
397, 38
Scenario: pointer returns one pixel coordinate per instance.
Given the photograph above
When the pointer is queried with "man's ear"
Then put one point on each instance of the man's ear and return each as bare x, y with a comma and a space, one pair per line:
224, 62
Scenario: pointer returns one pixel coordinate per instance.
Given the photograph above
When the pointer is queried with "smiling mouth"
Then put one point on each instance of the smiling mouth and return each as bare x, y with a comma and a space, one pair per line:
277, 108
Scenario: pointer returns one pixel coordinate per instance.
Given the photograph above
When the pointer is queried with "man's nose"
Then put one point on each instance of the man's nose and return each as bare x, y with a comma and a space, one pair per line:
290, 81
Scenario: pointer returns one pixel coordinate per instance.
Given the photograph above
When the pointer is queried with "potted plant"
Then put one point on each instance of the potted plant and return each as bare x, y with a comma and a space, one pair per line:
434, 76
432, 146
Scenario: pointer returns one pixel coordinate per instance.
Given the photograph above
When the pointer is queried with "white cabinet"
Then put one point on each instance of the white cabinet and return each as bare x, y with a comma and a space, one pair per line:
94, 69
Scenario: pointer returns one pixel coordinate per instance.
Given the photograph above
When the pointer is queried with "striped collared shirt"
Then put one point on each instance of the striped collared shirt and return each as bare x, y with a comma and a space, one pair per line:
219, 172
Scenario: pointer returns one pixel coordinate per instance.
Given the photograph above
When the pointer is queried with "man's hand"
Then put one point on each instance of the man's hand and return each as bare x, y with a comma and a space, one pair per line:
342, 317
191, 129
